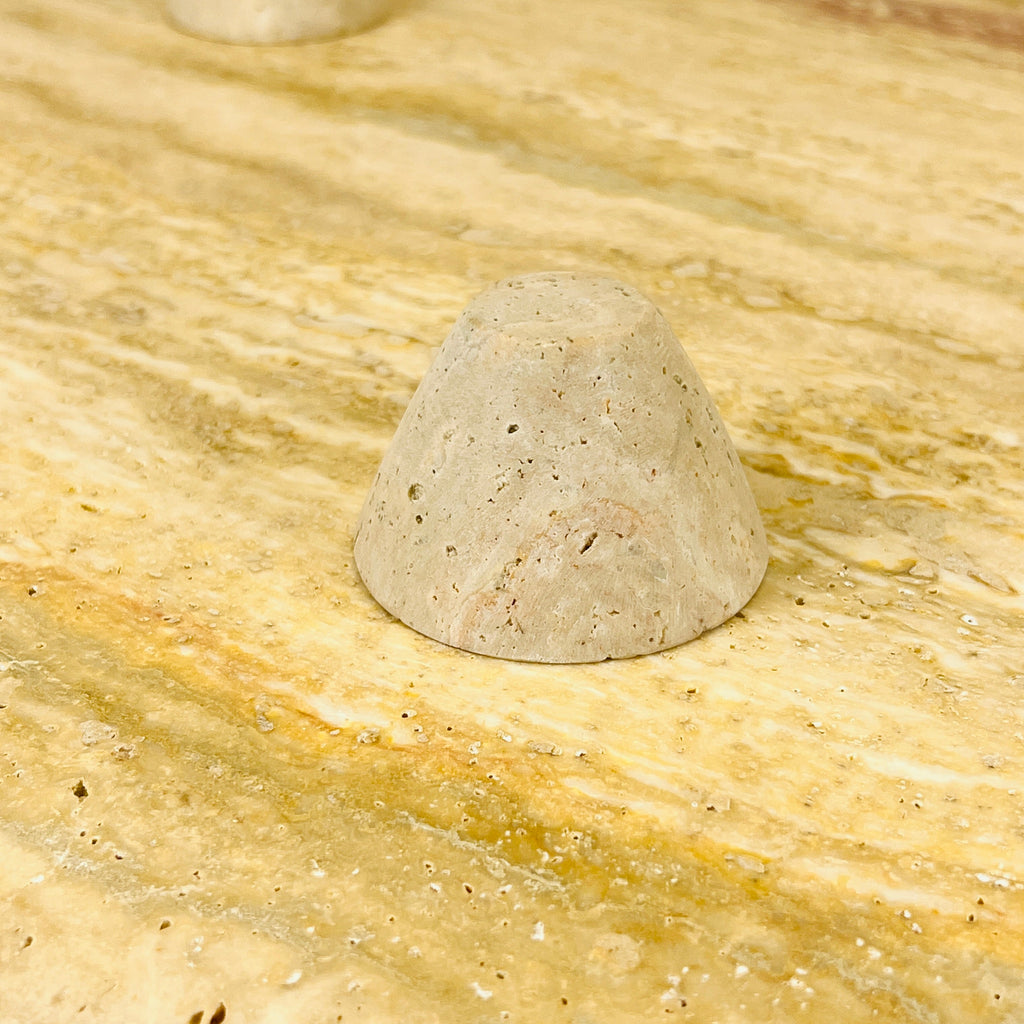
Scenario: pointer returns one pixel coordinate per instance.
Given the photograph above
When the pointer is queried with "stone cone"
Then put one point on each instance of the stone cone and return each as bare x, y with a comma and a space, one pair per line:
274, 21
561, 487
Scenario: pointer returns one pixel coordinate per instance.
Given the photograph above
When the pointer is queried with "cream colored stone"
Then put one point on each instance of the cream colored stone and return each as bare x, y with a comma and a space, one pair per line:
561, 487
273, 21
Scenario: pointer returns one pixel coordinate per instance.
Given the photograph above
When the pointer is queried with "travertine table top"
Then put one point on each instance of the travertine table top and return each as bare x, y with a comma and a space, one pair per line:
228, 778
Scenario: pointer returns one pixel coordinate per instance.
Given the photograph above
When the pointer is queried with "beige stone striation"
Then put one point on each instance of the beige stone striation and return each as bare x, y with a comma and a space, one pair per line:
561, 487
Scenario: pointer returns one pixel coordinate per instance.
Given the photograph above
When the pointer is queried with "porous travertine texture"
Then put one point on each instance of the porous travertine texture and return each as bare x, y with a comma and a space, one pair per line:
561, 487
273, 21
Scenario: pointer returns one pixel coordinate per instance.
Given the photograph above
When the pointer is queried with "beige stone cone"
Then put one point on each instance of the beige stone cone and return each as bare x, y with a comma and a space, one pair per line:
274, 21
561, 487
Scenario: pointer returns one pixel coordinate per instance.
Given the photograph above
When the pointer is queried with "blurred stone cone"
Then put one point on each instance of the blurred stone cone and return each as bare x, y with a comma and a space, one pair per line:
561, 487
274, 21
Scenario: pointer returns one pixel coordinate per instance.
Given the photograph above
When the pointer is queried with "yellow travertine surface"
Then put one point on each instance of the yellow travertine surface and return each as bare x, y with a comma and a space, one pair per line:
232, 786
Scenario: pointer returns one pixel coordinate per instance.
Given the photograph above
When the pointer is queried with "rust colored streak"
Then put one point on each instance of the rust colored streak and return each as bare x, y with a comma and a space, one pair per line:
1003, 29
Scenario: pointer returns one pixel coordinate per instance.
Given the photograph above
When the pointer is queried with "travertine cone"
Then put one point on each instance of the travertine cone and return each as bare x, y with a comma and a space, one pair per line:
274, 21
561, 487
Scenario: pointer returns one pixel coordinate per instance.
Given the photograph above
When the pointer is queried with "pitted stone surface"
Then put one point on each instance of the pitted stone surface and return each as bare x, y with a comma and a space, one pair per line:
561, 487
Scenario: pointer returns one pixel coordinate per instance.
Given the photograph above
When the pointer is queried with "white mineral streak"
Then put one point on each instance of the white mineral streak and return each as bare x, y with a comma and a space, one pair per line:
561, 487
